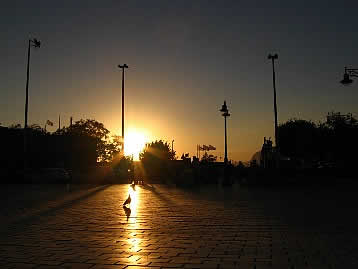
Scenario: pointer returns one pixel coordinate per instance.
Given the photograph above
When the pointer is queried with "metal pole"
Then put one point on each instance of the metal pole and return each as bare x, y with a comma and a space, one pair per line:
27, 83
123, 67
123, 107
36, 44
26, 104
225, 159
275, 104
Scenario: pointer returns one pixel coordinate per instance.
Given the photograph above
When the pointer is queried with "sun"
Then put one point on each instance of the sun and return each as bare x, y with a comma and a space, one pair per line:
134, 142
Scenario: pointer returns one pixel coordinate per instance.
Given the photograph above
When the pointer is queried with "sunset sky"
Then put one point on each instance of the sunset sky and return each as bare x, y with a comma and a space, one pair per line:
185, 58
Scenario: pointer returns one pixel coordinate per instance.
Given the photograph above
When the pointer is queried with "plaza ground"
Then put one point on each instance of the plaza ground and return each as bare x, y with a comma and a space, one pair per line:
208, 227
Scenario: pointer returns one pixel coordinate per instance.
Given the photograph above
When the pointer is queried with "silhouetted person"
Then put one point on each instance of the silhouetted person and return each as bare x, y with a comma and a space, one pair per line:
128, 201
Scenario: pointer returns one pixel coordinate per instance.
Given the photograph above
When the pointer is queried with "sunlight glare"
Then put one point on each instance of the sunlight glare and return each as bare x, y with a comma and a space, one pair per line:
134, 143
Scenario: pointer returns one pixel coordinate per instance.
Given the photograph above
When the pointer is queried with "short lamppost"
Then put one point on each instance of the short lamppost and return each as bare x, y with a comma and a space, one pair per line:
349, 72
124, 66
36, 44
225, 114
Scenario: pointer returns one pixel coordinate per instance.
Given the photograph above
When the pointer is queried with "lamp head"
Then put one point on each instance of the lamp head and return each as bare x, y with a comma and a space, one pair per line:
123, 66
224, 108
346, 80
270, 56
37, 43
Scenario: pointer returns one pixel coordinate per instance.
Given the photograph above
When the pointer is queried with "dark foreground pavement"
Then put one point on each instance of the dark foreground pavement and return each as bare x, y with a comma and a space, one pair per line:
171, 228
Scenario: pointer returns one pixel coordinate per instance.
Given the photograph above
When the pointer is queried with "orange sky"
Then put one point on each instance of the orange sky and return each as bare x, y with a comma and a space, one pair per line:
185, 58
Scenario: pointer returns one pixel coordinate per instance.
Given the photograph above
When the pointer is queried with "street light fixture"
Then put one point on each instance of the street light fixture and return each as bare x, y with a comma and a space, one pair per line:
124, 66
349, 72
225, 114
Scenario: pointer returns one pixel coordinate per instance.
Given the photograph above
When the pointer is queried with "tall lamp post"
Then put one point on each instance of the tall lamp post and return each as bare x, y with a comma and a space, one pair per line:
124, 66
225, 114
36, 44
273, 58
349, 72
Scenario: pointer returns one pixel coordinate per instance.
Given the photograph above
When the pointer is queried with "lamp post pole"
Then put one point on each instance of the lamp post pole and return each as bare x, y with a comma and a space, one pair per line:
36, 44
225, 159
273, 58
27, 82
32, 43
225, 114
173, 148
124, 66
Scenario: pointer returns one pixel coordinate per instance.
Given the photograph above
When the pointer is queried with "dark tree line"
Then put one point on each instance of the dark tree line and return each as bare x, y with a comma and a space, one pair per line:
82, 144
335, 140
155, 159
107, 147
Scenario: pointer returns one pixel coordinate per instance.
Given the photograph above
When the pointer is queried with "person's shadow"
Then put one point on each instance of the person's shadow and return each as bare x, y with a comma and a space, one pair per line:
127, 211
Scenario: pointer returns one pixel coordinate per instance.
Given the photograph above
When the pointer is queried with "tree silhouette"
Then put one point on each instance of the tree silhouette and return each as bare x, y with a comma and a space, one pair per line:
333, 140
123, 167
106, 148
342, 137
157, 149
155, 158
298, 138
87, 127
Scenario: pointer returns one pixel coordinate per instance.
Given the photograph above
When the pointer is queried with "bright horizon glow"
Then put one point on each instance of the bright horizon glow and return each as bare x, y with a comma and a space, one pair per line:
134, 143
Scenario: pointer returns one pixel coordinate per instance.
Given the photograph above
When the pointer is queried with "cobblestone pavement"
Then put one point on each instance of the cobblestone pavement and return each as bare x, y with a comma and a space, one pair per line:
171, 228
21, 200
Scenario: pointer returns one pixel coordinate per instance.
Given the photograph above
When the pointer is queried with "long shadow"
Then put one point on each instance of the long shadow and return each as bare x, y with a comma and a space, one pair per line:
18, 224
147, 186
156, 193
